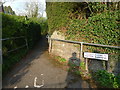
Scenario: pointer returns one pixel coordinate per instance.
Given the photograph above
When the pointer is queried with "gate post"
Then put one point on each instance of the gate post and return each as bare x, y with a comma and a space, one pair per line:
50, 44
81, 50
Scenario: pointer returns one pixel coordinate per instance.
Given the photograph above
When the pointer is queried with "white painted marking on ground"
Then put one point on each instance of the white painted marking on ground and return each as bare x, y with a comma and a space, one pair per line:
26, 86
15, 87
35, 83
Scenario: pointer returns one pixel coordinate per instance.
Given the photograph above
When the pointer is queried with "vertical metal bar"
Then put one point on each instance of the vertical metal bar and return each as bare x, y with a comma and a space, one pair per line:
26, 42
0, 55
86, 64
47, 36
81, 50
50, 44
107, 65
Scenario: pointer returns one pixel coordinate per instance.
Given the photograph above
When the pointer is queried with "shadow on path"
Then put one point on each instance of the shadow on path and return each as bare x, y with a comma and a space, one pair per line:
21, 68
73, 80
37, 63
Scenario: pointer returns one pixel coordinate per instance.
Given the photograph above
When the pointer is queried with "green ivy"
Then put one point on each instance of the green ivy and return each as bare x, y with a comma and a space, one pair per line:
92, 22
106, 79
101, 28
58, 14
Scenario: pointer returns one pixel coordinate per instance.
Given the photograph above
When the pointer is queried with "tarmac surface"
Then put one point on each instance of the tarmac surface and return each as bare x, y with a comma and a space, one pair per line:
36, 71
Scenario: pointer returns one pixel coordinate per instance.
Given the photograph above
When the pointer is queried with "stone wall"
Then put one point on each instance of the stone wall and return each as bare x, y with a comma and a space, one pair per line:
65, 50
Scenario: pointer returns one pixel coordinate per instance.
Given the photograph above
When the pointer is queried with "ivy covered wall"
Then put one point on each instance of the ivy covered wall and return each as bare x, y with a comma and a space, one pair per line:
92, 22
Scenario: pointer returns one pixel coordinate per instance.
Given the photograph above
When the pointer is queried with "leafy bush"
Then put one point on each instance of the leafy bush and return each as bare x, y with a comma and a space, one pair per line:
14, 26
11, 59
107, 80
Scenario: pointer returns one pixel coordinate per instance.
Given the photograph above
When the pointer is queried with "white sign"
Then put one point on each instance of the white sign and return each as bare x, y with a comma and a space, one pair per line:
96, 56
89, 55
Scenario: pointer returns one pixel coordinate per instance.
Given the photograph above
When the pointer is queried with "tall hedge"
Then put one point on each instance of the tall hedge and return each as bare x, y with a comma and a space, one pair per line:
16, 26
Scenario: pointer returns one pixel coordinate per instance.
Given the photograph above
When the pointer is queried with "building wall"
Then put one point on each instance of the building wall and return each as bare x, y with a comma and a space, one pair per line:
1, 8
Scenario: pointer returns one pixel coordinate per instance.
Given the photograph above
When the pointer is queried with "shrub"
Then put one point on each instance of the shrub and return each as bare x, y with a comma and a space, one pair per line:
107, 80
16, 26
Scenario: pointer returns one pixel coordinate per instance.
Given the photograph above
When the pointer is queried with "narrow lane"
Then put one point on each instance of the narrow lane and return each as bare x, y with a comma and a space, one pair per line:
37, 65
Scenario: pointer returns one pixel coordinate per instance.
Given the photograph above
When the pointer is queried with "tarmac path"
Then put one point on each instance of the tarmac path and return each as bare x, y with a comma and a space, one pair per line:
37, 71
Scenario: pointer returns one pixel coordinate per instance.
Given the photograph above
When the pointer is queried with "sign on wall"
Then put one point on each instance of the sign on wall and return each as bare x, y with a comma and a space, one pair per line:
96, 56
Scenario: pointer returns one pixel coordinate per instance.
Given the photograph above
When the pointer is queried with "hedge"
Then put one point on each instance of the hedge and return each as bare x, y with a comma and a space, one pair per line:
16, 26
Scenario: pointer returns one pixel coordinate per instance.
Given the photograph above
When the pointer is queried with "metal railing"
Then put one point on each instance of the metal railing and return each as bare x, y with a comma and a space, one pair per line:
25, 45
81, 47
81, 43
92, 44
12, 38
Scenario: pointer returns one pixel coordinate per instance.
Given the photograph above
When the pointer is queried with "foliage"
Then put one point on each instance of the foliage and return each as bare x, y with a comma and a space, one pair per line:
106, 79
60, 13
82, 65
92, 22
101, 28
12, 59
43, 23
57, 14
99, 7
61, 59
16, 26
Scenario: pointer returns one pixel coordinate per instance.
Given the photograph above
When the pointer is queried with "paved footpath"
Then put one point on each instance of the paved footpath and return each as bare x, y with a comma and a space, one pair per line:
37, 71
